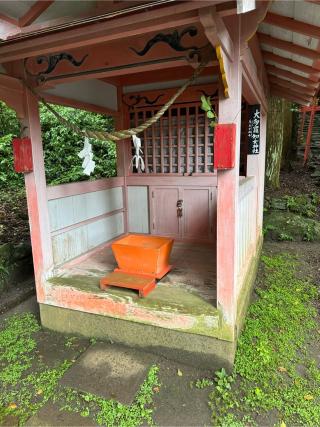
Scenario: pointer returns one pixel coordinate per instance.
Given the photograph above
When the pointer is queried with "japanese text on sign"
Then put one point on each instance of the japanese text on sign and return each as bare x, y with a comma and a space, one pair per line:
254, 129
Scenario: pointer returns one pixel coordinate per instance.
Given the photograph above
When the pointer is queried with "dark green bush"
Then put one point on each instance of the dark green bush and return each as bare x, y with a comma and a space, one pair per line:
61, 146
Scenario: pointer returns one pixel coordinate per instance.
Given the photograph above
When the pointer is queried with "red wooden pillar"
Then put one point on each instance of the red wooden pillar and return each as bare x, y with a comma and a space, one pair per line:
309, 135
35, 183
227, 193
122, 153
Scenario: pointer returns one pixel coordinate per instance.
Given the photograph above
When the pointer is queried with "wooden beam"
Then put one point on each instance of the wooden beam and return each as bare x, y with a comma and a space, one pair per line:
216, 31
268, 56
258, 59
9, 20
34, 12
271, 69
251, 20
108, 29
254, 90
162, 75
288, 46
286, 84
291, 24
227, 8
290, 92
60, 100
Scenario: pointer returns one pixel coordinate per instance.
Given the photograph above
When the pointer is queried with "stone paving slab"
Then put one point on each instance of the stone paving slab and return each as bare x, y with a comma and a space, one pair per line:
50, 415
112, 371
53, 348
179, 402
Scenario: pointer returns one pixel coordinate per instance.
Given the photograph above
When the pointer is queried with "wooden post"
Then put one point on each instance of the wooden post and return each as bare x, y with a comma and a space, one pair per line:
228, 188
36, 191
122, 156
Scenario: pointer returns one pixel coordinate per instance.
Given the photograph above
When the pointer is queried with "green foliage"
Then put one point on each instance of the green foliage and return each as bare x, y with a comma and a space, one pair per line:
61, 146
109, 412
303, 204
8, 177
291, 217
207, 107
270, 350
26, 383
22, 393
203, 383
9, 124
285, 237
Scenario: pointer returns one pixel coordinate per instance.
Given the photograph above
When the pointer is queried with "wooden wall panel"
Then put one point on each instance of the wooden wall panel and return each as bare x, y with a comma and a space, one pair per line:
138, 209
77, 241
67, 211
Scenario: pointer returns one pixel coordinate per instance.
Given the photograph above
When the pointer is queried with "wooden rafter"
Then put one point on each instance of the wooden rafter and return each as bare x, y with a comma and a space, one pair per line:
289, 85
271, 69
292, 25
34, 12
268, 56
9, 20
290, 92
288, 46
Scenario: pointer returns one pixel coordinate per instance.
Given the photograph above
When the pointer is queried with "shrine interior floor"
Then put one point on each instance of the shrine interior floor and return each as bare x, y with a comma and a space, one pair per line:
194, 270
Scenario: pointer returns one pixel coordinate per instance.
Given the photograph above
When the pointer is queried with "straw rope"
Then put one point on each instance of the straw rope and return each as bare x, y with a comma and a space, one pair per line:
126, 133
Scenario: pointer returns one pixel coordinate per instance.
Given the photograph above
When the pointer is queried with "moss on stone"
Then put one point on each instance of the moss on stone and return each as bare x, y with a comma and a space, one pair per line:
164, 302
280, 225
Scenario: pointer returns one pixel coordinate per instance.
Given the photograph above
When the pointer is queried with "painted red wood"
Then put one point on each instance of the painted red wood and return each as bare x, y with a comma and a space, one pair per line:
22, 154
182, 140
164, 219
197, 213
224, 146
197, 220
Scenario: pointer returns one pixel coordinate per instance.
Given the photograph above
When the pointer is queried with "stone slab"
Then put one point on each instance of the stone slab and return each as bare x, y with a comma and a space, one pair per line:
179, 402
112, 371
50, 415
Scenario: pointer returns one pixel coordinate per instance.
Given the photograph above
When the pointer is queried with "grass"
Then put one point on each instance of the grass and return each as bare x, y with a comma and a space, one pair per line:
274, 372
27, 383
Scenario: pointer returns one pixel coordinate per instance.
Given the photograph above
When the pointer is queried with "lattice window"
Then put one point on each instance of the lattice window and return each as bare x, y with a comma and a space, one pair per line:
181, 142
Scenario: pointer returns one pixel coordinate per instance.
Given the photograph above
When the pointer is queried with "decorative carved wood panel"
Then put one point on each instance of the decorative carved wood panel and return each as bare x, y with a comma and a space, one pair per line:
181, 142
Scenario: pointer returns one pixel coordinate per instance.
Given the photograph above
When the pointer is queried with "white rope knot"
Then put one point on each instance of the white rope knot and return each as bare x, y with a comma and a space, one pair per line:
86, 154
137, 159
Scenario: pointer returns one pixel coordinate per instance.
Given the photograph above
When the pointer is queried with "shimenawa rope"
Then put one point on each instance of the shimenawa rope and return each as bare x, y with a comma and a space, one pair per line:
122, 134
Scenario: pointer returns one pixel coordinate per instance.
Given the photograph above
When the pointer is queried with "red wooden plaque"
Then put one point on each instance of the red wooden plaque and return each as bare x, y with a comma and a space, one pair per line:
224, 146
22, 153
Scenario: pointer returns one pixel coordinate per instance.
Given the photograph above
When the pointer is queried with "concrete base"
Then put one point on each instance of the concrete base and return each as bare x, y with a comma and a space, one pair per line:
192, 349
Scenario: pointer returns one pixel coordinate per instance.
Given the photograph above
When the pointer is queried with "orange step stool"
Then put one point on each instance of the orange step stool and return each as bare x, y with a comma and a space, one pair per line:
143, 284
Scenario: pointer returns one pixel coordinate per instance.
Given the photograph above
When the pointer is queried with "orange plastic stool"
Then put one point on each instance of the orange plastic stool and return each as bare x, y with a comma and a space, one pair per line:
143, 284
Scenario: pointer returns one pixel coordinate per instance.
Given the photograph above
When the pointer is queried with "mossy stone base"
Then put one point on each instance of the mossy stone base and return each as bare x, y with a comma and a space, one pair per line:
280, 225
192, 349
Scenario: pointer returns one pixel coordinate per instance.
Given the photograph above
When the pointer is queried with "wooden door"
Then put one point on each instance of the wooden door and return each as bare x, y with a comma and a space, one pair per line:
197, 222
198, 219
164, 218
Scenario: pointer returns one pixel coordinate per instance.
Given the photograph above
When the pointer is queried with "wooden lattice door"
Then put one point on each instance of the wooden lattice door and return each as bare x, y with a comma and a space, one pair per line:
181, 142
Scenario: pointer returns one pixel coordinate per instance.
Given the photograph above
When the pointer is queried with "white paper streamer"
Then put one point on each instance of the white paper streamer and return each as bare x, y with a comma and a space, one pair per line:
86, 154
137, 159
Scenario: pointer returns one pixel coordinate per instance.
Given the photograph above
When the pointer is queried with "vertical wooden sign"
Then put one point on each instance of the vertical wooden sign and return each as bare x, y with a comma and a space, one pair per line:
254, 129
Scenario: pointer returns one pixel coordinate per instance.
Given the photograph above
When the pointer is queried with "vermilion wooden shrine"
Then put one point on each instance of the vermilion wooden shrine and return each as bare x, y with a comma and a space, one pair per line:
202, 186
